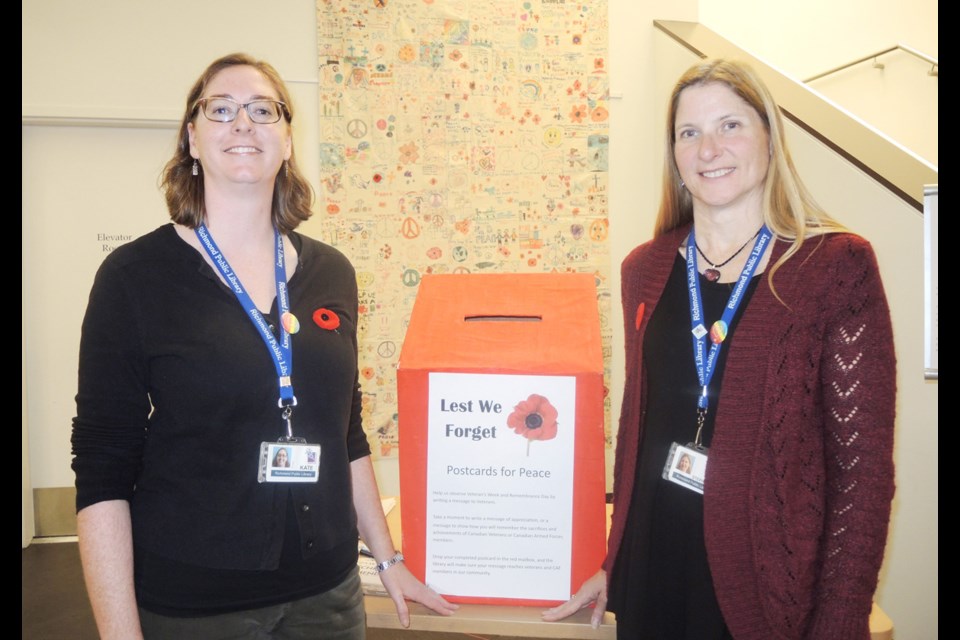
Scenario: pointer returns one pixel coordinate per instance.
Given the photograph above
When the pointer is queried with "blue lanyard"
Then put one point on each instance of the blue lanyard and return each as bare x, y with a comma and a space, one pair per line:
282, 350
705, 362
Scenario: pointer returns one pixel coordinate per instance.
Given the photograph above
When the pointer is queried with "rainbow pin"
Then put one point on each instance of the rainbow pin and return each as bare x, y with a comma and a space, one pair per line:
718, 332
290, 323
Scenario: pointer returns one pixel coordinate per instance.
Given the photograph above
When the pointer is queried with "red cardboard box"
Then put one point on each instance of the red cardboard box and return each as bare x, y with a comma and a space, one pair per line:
501, 436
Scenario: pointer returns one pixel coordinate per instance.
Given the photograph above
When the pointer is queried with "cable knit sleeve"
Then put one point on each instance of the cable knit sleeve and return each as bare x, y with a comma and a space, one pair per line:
858, 390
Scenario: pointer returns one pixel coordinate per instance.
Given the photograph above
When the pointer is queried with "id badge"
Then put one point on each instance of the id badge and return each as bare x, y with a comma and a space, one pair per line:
289, 462
686, 466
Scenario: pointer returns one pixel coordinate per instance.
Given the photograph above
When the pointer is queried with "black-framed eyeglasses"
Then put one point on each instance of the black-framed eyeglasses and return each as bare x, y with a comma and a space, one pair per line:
226, 110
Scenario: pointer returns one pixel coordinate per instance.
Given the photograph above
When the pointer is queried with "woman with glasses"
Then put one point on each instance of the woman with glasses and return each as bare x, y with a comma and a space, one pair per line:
759, 348
205, 344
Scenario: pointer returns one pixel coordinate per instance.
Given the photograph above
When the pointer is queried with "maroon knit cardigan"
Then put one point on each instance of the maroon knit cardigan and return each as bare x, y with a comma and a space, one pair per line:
800, 478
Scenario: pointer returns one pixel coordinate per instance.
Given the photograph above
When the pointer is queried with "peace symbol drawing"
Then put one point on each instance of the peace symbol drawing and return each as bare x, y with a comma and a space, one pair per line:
357, 128
409, 228
386, 349
411, 277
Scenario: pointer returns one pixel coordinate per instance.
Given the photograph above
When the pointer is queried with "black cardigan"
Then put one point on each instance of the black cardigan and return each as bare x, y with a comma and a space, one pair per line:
177, 391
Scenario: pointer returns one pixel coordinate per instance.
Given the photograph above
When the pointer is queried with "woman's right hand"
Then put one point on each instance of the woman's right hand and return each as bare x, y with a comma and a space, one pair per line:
593, 590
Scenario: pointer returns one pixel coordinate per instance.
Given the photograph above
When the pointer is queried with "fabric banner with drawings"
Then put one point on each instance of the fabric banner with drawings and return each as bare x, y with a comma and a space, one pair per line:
459, 137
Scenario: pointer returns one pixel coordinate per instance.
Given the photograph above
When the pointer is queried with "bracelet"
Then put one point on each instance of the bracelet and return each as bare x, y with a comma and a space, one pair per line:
386, 564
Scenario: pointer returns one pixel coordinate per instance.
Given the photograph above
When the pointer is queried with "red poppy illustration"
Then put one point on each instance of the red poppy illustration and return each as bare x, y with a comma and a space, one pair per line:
326, 319
534, 419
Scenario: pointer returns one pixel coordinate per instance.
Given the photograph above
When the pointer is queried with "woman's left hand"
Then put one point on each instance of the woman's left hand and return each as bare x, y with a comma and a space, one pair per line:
403, 586
396, 578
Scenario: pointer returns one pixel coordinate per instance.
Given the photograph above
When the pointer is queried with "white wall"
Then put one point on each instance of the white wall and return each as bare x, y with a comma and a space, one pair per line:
901, 99
77, 183
805, 39
137, 58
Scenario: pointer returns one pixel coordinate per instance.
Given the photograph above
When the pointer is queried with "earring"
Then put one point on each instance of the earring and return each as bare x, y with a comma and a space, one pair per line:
286, 168
683, 185
196, 168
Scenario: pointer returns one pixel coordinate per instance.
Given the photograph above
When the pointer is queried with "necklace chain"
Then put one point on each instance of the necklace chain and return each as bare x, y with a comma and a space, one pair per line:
735, 254
713, 273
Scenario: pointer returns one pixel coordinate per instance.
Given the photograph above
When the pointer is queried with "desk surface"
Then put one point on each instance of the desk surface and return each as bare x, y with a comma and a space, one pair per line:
521, 621
489, 619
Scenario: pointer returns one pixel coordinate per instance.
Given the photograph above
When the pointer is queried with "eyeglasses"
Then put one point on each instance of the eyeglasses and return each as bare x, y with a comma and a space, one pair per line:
226, 110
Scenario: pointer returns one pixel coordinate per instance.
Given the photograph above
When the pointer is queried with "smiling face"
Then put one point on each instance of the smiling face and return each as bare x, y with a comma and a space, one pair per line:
239, 152
280, 460
721, 148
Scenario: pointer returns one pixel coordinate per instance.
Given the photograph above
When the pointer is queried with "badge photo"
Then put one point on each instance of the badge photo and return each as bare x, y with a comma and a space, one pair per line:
289, 462
686, 466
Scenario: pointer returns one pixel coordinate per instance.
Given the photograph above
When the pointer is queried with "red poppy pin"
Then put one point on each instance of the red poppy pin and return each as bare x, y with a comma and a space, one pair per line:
534, 419
640, 309
326, 319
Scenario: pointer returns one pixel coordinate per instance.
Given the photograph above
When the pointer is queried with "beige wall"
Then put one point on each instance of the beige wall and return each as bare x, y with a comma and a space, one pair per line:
135, 60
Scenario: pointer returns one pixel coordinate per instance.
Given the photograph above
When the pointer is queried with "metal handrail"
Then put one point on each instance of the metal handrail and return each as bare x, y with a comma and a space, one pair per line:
900, 171
934, 65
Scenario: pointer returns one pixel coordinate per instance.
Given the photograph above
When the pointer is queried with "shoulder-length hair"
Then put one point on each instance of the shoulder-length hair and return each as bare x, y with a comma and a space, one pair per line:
789, 211
292, 194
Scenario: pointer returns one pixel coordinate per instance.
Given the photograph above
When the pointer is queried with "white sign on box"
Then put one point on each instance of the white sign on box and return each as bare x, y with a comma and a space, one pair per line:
500, 484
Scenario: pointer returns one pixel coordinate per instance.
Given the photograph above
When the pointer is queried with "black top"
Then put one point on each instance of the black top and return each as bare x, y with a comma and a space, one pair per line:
177, 391
660, 586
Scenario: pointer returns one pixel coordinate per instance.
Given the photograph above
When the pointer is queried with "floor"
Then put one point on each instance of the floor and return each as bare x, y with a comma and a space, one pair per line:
55, 606
54, 601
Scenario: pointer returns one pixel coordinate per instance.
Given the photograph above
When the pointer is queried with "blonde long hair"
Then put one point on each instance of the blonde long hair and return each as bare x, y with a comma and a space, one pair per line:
789, 210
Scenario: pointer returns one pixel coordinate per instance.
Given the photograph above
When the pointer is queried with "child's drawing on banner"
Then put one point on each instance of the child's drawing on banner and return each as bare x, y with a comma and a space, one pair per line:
458, 137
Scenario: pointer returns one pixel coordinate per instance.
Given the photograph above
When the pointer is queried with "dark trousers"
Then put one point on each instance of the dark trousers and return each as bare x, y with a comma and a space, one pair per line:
336, 614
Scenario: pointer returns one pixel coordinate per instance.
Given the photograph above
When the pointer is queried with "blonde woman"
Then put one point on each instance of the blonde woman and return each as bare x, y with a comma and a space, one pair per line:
758, 339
